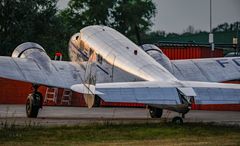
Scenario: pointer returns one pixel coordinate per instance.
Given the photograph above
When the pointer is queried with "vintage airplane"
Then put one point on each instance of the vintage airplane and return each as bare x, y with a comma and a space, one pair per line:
106, 64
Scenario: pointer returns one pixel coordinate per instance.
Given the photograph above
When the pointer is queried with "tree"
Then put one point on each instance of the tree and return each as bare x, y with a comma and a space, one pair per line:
40, 21
127, 16
153, 37
81, 13
221, 28
133, 16
28, 20
190, 29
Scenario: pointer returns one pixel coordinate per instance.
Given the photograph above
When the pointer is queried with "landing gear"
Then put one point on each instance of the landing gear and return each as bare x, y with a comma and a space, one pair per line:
177, 120
155, 112
34, 103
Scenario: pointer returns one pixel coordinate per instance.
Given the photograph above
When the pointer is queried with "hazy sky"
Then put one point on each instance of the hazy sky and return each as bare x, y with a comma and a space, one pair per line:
177, 15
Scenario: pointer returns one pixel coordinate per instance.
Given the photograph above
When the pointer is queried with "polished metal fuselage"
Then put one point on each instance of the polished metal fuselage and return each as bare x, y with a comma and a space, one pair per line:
120, 60
121, 53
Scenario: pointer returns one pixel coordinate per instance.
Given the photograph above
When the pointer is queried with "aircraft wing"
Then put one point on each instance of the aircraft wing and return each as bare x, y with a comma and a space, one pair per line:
58, 73
155, 92
207, 70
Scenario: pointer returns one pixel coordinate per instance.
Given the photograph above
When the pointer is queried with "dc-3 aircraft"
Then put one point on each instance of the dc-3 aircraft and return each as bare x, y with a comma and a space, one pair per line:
106, 64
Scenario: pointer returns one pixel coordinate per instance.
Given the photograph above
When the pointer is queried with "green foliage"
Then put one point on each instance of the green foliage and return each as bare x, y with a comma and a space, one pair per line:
41, 22
153, 37
201, 37
122, 15
28, 20
223, 34
129, 15
81, 13
227, 27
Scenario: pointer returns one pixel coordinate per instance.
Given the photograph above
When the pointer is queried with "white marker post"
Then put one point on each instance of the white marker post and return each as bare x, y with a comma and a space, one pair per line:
211, 41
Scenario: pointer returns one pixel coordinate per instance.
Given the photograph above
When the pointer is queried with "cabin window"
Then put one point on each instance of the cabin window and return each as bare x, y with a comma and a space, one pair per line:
85, 51
135, 52
99, 58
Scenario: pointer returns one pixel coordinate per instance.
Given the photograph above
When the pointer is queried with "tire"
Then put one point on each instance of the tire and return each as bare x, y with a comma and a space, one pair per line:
33, 104
177, 120
155, 112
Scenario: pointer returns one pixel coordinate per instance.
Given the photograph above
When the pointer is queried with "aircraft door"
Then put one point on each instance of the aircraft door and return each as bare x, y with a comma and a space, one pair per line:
106, 68
111, 59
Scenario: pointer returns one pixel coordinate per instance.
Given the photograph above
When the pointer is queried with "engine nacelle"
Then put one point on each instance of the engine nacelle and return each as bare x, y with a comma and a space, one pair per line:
158, 55
23, 50
33, 51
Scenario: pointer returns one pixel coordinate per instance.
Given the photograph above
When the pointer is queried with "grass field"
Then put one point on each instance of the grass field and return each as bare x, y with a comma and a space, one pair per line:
122, 134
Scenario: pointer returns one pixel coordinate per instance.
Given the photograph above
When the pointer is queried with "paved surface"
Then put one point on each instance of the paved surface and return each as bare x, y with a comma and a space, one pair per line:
53, 115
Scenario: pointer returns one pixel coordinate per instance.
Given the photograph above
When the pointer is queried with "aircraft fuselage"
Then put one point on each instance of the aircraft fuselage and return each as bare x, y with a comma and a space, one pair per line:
119, 59
118, 51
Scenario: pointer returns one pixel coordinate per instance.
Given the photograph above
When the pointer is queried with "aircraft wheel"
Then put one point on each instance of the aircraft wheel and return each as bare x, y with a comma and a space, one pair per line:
33, 104
155, 112
177, 120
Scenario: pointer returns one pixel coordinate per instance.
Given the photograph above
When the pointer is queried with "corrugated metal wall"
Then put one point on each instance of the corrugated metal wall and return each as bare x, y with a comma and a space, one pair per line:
190, 52
16, 92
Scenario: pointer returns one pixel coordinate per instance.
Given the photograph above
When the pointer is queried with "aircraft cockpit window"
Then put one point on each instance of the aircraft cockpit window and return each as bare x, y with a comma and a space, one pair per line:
99, 58
90, 52
85, 52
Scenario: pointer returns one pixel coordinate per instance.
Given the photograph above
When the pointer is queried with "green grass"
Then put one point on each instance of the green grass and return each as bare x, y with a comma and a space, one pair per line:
122, 134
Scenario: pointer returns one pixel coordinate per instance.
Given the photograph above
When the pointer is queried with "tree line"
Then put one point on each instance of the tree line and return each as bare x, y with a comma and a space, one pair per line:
223, 33
42, 22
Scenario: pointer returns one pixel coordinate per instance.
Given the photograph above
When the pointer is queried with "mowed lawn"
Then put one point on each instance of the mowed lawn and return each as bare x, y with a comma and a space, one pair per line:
122, 134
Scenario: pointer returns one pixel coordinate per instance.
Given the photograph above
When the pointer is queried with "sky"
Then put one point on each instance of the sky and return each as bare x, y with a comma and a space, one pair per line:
177, 15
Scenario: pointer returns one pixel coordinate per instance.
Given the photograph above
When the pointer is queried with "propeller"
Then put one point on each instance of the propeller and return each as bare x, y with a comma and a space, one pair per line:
89, 82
